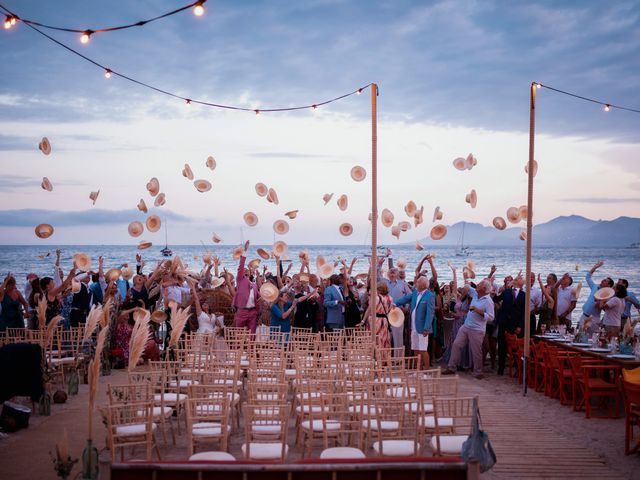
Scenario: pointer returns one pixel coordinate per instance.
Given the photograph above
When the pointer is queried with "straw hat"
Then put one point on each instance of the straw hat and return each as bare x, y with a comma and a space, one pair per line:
410, 208
472, 198
127, 273
459, 163
604, 294
320, 260
358, 173
202, 185
471, 265
255, 263
217, 282
269, 292
535, 168
343, 202
143, 245
46, 184
513, 215
396, 317
418, 216
280, 227
75, 286
160, 200
237, 252
326, 270
404, 226
45, 146
346, 229
113, 274
272, 197
280, 248
263, 253
153, 186
438, 232
402, 263
523, 235
419, 246
327, 197
135, 228
158, 316
303, 255
93, 196
44, 230
142, 206
386, 218
291, 214
470, 273
250, 219
153, 223
82, 261
261, 189
187, 172
437, 215
524, 212
216, 238
211, 162
470, 162
499, 223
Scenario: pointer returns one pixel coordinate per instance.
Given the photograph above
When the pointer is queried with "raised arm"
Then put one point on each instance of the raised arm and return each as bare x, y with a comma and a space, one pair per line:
194, 296
434, 272
549, 298
353, 262
243, 259
455, 280
66, 282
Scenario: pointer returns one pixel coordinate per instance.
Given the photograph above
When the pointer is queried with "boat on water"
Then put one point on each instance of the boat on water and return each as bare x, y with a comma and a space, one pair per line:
462, 251
166, 251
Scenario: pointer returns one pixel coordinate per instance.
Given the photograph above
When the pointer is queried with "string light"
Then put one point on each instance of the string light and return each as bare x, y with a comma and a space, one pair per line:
198, 9
9, 21
359, 91
257, 112
86, 36
188, 101
107, 73
606, 106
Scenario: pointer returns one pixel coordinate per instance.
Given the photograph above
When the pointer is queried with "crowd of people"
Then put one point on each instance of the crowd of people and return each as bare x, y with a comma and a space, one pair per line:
463, 322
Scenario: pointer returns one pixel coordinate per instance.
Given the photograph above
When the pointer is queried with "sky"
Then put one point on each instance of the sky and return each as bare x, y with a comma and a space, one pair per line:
453, 79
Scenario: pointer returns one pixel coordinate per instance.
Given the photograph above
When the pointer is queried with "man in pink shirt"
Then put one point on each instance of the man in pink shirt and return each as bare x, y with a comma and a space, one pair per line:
247, 295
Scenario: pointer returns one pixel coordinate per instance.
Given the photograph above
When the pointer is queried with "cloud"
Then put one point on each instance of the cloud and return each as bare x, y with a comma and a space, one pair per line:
30, 217
11, 183
601, 200
285, 155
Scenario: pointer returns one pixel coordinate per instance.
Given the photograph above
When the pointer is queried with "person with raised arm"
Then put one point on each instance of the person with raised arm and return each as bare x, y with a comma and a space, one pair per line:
591, 309
246, 296
208, 322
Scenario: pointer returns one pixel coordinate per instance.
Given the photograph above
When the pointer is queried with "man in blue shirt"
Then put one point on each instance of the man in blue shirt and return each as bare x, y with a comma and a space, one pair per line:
631, 300
591, 309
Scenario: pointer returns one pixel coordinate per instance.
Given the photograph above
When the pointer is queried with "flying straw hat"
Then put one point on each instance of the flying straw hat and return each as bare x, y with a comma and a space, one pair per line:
207, 258
460, 163
280, 248
358, 173
410, 208
250, 219
269, 292
216, 238
153, 186
93, 196
535, 168
470, 162
402, 263
304, 255
160, 200
438, 232
524, 212
291, 214
143, 245
46, 184
82, 261
386, 218
499, 223
280, 227
320, 260
261, 189
418, 216
513, 214
217, 282
272, 197
472, 198
75, 286
470, 273
44, 230
404, 226
127, 273
604, 294
158, 316
45, 146
343, 202
237, 252
326, 270
437, 215
135, 228
471, 265
263, 253
396, 317
142, 206
346, 229
202, 185
113, 274
523, 235
153, 223
395, 231
211, 162
327, 197
187, 172
255, 263
419, 246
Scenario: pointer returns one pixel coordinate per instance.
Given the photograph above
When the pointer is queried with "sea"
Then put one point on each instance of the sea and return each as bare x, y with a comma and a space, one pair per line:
619, 262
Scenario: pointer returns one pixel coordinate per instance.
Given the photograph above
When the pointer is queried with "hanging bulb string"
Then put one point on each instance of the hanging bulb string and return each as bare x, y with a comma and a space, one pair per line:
607, 106
188, 100
140, 23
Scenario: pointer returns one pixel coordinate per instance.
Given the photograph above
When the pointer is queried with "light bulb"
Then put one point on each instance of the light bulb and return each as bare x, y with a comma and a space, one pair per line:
188, 101
107, 73
86, 35
198, 9
257, 112
359, 91
13, 21
607, 107
538, 85
9, 21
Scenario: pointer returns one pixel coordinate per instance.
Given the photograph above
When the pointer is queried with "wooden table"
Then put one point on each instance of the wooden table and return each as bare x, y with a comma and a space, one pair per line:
628, 364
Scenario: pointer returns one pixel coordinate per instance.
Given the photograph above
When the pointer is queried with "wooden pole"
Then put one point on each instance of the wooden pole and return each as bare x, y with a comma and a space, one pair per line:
527, 307
373, 272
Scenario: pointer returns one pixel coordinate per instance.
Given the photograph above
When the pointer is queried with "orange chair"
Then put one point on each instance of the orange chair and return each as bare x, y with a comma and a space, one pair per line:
577, 393
631, 375
594, 384
512, 348
559, 374
538, 378
631, 392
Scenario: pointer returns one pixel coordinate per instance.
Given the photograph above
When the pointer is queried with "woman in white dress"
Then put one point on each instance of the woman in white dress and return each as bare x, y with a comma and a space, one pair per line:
208, 323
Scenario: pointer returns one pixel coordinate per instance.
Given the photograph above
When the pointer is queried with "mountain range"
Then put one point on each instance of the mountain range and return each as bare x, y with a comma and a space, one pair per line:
572, 230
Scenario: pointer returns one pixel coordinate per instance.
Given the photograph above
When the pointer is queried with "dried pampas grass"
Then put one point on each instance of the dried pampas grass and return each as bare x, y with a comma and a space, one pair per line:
94, 374
139, 337
51, 328
106, 313
92, 322
179, 317
41, 311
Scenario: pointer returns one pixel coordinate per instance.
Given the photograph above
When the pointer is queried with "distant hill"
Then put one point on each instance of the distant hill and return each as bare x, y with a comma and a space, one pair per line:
572, 230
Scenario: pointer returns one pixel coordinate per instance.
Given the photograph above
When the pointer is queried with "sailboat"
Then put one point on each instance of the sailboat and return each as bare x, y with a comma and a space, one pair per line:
166, 251
462, 251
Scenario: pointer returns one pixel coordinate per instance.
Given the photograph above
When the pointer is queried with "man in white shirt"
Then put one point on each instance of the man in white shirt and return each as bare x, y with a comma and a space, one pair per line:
566, 300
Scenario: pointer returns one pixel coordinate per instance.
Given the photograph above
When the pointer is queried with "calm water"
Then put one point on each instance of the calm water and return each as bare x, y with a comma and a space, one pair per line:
619, 263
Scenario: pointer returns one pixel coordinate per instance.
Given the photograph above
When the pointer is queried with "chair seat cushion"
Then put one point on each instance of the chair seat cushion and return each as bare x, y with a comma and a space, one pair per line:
290, 372
184, 383
318, 426
206, 429
170, 398
211, 456
384, 424
413, 407
449, 444
266, 428
342, 452
158, 412
134, 430
399, 392
310, 408
430, 422
207, 408
264, 451
396, 448
63, 361
363, 409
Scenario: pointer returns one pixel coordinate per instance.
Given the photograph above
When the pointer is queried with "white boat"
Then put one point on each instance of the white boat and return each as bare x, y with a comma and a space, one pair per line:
166, 251
462, 251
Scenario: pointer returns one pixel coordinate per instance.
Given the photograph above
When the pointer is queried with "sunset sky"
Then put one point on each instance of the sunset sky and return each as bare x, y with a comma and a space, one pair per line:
453, 76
